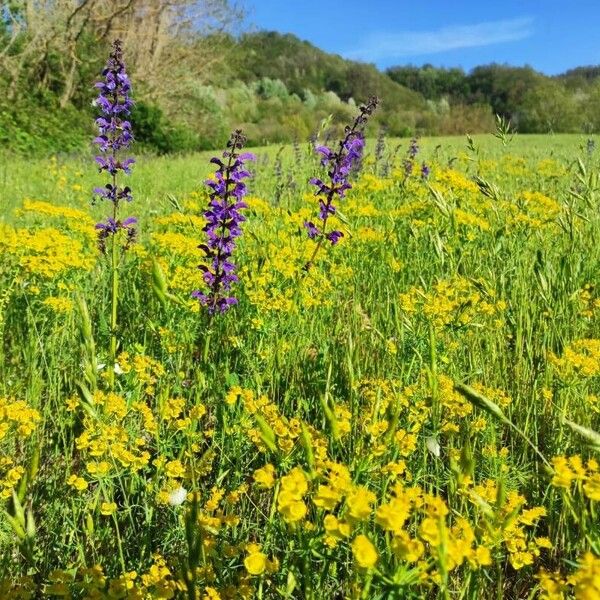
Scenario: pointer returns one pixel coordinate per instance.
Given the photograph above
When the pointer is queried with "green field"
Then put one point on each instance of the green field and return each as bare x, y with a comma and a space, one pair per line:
415, 417
154, 177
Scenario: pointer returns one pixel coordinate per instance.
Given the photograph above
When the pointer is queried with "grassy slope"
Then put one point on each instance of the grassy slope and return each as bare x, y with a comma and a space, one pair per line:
155, 177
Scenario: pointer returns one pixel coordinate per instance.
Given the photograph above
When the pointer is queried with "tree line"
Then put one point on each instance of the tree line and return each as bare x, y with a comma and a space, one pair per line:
196, 75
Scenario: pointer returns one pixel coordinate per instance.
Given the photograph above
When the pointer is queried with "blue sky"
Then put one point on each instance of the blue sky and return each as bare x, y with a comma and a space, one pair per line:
549, 35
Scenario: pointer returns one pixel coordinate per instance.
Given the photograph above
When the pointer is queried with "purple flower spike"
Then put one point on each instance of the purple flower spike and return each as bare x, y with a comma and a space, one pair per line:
114, 135
413, 148
410, 163
339, 167
223, 225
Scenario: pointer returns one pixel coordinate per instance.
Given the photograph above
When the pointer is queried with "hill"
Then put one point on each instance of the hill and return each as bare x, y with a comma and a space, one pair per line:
275, 86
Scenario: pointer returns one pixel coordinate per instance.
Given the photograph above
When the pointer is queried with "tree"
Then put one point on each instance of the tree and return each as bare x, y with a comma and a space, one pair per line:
52, 42
502, 86
547, 107
434, 83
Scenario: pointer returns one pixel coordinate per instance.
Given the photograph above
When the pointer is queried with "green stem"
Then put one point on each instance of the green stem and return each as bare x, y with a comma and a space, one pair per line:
365, 592
114, 275
114, 309
119, 543
99, 498
207, 342
433, 374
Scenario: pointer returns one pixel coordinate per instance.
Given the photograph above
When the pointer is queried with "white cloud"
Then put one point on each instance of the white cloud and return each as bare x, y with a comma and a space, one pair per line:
378, 46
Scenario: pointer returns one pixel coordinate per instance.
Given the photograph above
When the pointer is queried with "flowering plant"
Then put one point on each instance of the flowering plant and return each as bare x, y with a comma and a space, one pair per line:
114, 135
223, 225
339, 166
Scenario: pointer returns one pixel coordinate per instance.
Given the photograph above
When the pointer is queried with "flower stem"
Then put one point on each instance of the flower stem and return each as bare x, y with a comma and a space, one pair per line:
114, 307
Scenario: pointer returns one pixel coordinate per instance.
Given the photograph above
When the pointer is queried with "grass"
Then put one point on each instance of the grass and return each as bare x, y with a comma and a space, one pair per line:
321, 428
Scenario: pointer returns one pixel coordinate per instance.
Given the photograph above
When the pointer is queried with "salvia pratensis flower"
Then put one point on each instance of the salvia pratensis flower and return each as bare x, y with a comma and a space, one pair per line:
340, 164
413, 148
425, 171
114, 135
410, 162
223, 225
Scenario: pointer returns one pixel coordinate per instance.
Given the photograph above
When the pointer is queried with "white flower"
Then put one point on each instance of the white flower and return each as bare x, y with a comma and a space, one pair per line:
178, 496
433, 445
118, 370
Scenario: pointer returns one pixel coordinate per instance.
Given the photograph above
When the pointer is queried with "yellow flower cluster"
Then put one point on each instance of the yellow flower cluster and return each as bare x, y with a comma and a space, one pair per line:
145, 369
549, 167
455, 181
268, 421
178, 220
257, 562
572, 470
369, 183
470, 220
532, 210
158, 582
117, 436
290, 503
17, 415
580, 358
46, 252
590, 304
278, 286
76, 218
10, 475
504, 520
59, 304
457, 301
178, 253
425, 534
411, 407
583, 583
179, 245
364, 552
17, 422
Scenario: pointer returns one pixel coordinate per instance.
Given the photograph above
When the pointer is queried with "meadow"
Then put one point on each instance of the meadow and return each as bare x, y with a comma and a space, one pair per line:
414, 417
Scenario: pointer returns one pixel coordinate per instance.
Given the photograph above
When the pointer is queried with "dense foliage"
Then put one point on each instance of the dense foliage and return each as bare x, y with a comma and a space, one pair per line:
534, 102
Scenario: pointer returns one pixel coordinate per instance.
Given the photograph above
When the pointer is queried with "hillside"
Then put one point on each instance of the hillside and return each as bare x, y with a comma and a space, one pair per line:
302, 66
533, 101
279, 89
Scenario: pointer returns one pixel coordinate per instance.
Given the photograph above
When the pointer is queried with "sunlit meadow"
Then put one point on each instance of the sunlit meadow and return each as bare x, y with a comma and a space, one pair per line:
412, 417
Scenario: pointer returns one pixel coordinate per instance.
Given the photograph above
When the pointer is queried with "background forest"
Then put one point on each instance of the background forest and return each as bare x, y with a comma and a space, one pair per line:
199, 70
